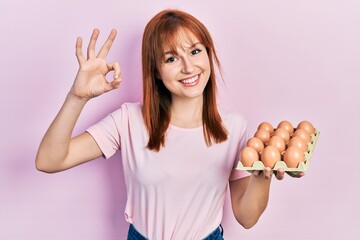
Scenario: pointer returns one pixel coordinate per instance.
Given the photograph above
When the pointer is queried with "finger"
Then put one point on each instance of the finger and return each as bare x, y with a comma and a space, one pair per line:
301, 174
256, 173
116, 67
92, 43
107, 45
112, 85
280, 173
78, 51
267, 172
296, 174
116, 83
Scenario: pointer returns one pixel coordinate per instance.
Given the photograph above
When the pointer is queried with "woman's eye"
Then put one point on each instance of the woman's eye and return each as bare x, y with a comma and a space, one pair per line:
170, 60
196, 51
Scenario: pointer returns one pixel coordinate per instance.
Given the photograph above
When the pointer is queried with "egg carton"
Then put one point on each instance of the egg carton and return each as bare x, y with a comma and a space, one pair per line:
302, 167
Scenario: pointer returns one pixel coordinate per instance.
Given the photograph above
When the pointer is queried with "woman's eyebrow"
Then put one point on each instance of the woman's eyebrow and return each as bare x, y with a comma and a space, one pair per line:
197, 43
172, 52
193, 45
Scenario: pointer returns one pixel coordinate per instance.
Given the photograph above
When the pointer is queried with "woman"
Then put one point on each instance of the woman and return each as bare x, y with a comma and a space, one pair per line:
178, 149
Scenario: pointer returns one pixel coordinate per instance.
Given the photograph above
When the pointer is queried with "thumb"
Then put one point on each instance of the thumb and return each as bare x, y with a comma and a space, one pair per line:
112, 85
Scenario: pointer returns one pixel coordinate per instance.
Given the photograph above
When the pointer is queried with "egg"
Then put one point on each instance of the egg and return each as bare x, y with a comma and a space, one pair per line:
307, 126
302, 134
263, 135
287, 125
277, 142
283, 133
270, 156
255, 143
298, 142
293, 156
267, 126
248, 156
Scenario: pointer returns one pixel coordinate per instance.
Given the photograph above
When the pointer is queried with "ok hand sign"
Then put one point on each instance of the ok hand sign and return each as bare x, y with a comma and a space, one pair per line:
91, 80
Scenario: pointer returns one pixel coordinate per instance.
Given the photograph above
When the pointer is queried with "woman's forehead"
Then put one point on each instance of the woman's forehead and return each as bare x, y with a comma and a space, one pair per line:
182, 39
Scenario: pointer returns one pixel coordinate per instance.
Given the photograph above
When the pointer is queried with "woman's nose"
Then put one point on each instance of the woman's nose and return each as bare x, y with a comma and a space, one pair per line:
187, 65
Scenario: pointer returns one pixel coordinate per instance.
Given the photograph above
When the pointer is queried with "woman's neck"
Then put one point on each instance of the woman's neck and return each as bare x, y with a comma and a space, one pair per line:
187, 113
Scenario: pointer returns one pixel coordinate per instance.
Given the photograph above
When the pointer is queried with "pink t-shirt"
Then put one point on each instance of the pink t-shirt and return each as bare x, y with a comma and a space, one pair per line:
178, 192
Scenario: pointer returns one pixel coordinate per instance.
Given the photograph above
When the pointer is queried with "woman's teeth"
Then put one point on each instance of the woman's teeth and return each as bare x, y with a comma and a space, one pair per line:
190, 80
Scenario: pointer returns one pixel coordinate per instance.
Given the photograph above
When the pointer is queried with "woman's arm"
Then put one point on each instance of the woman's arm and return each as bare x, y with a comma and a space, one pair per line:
250, 195
58, 150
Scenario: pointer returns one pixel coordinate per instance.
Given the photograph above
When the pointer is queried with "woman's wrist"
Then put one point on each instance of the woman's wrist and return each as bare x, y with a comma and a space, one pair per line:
76, 99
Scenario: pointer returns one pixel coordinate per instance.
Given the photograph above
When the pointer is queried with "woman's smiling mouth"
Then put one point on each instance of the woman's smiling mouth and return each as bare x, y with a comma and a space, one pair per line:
191, 81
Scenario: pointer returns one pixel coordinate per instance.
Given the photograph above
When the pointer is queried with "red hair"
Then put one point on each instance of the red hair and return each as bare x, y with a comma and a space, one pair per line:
161, 31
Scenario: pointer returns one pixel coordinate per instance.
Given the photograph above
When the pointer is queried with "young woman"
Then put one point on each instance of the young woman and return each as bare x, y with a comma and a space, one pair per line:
178, 148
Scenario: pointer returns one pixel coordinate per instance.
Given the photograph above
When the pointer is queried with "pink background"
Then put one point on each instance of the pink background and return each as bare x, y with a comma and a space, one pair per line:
282, 59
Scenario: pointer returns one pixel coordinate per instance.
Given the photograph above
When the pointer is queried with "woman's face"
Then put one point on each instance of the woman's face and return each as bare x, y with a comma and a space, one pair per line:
185, 72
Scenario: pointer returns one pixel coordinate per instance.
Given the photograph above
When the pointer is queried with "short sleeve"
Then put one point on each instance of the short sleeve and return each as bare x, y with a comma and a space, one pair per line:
238, 174
106, 134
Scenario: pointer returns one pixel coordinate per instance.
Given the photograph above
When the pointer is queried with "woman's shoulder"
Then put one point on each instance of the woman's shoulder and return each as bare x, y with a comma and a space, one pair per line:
233, 120
231, 115
128, 108
127, 112
132, 106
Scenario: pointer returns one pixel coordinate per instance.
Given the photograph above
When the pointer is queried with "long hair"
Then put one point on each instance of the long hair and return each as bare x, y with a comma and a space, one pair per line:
162, 31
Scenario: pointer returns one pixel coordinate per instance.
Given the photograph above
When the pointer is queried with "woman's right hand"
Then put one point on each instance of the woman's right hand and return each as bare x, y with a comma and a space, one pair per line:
91, 80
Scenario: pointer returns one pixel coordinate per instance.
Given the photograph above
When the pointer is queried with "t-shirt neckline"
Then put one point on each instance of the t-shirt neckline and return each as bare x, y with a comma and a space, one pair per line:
172, 126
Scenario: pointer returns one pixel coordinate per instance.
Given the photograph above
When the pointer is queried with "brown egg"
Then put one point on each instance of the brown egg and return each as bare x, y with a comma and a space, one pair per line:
263, 135
248, 156
287, 125
298, 142
283, 133
270, 156
267, 126
277, 142
255, 143
302, 134
293, 156
307, 126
